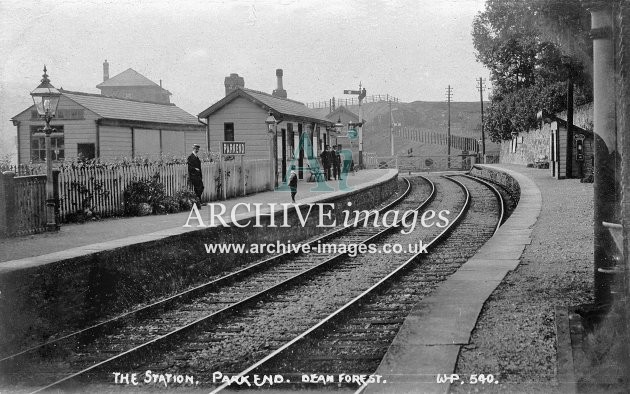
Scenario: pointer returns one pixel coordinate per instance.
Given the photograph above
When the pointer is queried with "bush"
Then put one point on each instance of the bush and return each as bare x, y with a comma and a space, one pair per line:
145, 196
144, 191
186, 198
143, 209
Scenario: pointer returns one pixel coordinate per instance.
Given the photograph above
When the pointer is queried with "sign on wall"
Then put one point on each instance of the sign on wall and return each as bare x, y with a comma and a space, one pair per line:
233, 148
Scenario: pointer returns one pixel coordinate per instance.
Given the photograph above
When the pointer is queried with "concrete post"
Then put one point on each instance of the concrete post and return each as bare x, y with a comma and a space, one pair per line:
606, 191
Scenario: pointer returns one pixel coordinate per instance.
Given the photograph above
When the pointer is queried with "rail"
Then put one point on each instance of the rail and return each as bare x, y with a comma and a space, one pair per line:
363, 295
114, 324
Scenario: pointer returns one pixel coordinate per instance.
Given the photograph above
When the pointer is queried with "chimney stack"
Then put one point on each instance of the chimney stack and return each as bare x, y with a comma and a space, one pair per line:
233, 82
105, 71
280, 92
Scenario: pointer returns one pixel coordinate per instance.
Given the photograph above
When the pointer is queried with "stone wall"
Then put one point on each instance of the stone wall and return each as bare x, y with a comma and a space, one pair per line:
499, 177
534, 145
582, 116
530, 147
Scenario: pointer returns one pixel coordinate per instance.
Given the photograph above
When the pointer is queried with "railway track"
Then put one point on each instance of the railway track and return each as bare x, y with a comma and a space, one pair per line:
286, 315
353, 340
137, 335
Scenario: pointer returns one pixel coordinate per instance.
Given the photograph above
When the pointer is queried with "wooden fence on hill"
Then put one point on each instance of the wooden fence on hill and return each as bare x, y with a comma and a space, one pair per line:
439, 138
348, 101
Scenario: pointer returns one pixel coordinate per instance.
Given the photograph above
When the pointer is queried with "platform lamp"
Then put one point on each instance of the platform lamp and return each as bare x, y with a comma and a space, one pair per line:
46, 98
272, 122
337, 127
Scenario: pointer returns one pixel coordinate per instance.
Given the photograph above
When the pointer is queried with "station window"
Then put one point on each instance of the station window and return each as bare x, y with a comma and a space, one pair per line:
86, 151
38, 144
228, 132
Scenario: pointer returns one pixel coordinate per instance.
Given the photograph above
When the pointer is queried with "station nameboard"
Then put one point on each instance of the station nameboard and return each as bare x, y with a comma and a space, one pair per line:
233, 148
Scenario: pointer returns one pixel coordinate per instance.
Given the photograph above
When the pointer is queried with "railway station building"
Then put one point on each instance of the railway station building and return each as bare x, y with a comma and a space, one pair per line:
566, 147
344, 116
121, 122
241, 115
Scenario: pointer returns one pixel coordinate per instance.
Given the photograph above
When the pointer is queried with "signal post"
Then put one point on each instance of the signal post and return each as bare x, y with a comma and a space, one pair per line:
361, 94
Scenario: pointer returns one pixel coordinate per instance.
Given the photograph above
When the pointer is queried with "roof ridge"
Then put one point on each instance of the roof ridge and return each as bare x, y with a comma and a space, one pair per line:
146, 81
114, 98
271, 95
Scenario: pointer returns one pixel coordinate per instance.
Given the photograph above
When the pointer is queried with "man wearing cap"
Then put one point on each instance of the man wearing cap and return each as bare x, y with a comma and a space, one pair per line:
194, 171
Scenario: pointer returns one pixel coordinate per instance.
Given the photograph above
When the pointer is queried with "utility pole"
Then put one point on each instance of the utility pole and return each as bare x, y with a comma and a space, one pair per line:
449, 95
391, 128
483, 135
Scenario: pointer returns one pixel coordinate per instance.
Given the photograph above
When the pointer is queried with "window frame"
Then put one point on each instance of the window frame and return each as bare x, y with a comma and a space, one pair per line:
226, 128
57, 138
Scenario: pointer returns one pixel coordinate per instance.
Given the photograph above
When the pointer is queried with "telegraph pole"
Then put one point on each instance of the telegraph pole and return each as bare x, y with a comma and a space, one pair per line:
391, 128
449, 95
361, 95
483, 135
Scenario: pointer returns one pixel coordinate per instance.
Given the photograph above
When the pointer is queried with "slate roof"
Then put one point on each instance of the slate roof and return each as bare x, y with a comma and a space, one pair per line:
115, 108
342, 110
128, 78
285, 107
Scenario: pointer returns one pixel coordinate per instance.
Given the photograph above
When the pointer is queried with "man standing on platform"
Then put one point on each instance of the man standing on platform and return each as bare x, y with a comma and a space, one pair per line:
337, 162
194, 172
326, 158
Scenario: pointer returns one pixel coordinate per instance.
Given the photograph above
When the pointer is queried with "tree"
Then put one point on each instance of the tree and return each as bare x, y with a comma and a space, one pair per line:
524, 44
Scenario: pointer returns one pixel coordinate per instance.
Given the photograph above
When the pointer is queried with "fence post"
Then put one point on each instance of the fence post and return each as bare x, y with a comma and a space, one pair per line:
55, 175
7, 210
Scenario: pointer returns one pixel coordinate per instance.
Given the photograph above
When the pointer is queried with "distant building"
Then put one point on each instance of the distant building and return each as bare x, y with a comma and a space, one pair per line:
344, 115
568, 154
132, 85
108, 126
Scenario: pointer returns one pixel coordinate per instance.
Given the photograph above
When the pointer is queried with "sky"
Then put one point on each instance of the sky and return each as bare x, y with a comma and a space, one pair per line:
411, 49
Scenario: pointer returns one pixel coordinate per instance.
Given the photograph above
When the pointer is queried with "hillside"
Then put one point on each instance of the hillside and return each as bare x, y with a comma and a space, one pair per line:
421, 115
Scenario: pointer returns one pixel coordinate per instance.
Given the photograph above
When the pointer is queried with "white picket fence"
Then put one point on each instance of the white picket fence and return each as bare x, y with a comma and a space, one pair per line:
105, 185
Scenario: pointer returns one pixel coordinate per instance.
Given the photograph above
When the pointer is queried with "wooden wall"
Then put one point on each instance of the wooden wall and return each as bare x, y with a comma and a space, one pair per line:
146, 143
195, 137
115, 141
249, 126
174, 143
75, 130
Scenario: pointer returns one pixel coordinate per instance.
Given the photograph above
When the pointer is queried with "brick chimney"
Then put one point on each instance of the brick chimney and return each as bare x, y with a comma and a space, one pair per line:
232, 82
105, 71
280, 92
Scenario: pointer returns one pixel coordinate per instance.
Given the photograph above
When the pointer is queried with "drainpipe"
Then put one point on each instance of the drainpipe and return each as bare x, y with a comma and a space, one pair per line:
207, 132
606, 191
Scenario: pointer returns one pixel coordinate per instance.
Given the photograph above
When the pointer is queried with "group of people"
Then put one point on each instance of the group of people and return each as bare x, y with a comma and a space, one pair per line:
195, 176
331, 159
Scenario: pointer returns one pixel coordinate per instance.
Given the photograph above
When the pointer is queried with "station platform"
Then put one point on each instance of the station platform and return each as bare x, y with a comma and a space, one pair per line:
73, 240
495, 315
